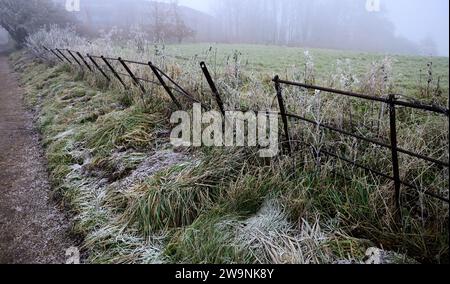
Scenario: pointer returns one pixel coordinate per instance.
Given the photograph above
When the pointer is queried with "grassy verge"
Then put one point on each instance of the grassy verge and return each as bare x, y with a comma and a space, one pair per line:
137, 200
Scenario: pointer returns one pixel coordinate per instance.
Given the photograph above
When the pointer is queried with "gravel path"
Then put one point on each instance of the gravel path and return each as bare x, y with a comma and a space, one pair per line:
32, 228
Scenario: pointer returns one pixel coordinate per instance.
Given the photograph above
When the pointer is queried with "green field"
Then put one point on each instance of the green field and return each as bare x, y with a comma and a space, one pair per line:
271, 60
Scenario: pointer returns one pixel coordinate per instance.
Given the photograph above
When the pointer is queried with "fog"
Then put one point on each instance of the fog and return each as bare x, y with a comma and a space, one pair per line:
418, 19
415, 20
3, 36
416, 27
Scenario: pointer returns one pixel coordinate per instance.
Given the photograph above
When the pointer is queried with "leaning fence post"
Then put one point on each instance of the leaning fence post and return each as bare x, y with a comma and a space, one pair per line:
114, 71
98, 67
74, 58
45, 49
394, 148
163, 83
135, 80
84, 61
213, 87
283, 111
56, 54
65, 57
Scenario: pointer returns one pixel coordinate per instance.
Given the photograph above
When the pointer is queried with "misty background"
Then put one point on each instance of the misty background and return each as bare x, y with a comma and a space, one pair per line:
416, 27
416, 20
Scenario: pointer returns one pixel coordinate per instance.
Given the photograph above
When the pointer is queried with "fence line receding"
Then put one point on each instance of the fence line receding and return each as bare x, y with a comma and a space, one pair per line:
391, 101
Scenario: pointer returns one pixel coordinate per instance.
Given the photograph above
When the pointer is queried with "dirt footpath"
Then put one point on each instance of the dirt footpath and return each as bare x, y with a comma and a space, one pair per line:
32, 228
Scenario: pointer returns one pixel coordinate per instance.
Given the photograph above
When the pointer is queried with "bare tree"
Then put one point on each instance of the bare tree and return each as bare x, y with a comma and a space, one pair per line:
22, 17
167, 22
179, 29
159, 16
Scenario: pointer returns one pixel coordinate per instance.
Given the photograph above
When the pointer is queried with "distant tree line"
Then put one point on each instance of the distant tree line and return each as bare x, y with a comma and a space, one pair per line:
158, 21
312, 23
340, 24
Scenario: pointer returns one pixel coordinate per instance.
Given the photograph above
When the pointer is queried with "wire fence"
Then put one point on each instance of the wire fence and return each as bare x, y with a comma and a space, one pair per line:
106, 69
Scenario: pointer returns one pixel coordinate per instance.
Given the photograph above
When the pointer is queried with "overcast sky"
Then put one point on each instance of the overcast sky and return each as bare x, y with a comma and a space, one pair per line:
414, 19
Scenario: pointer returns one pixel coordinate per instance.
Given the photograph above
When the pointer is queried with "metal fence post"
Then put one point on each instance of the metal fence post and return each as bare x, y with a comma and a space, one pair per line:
38, 53
84, 61
52, 51
283, 111
65, 57
135, 80
213, 87
163, 83
394, 145
74, 58
98, 67
56, 54
114, 72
